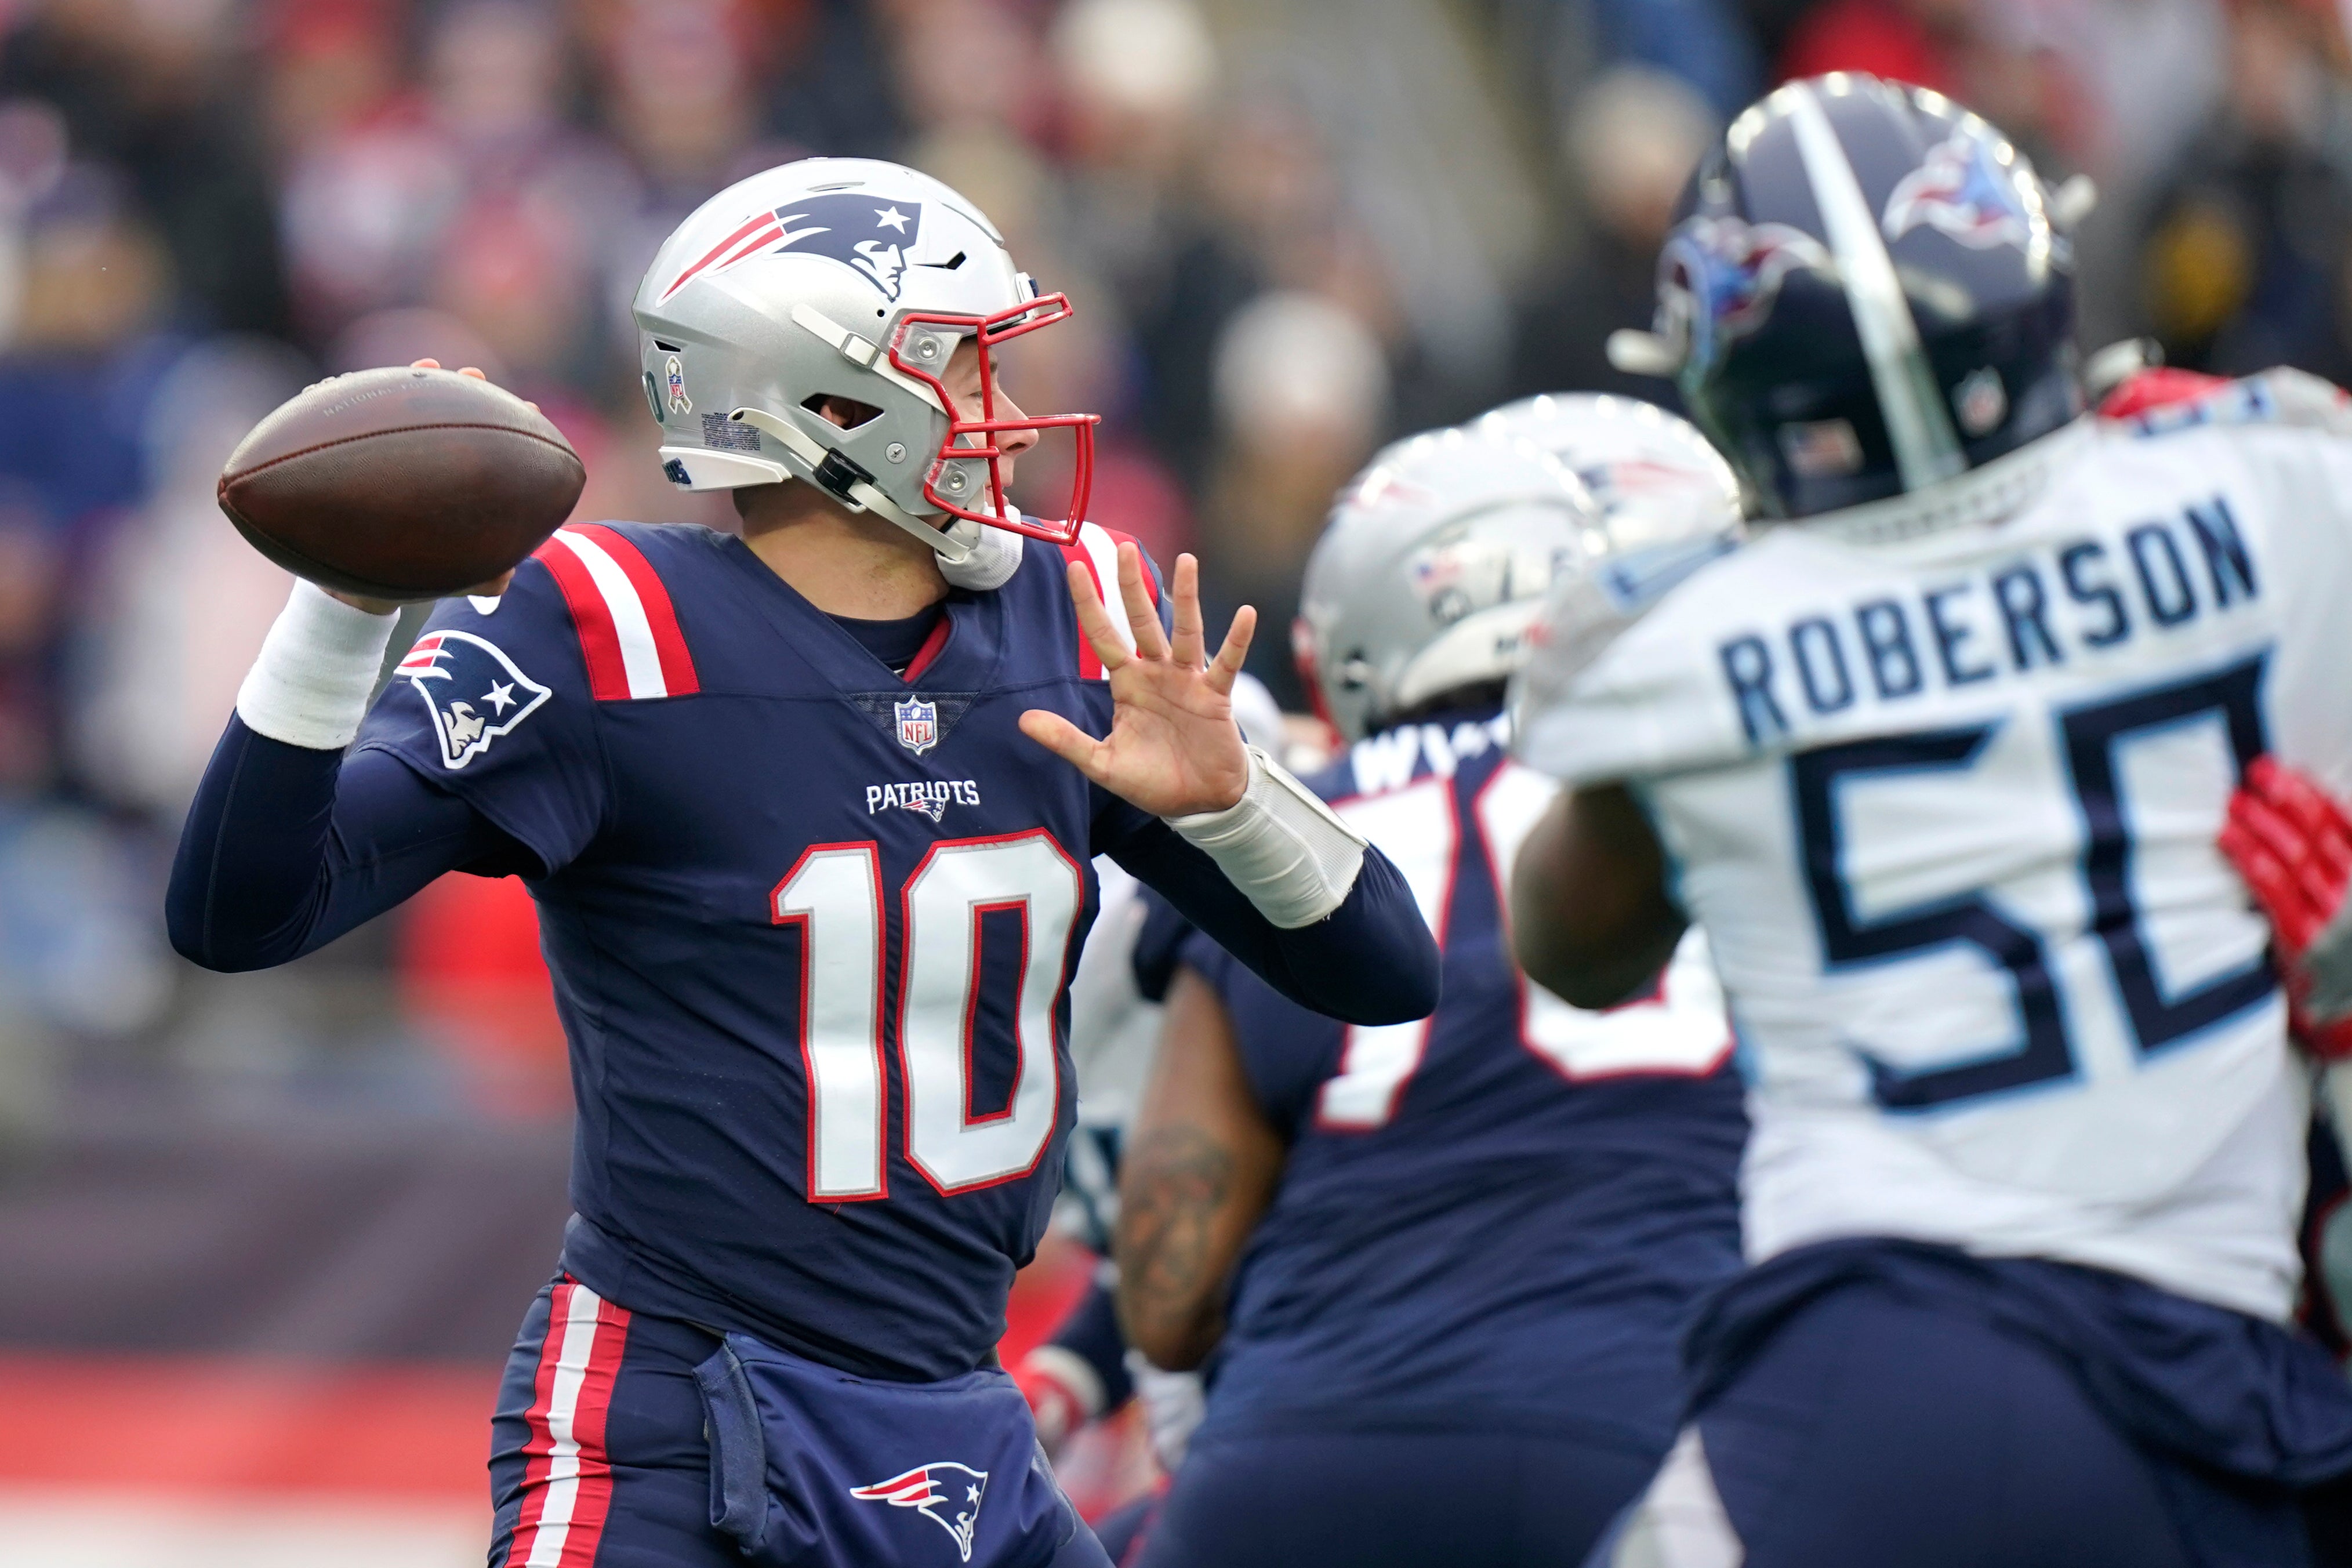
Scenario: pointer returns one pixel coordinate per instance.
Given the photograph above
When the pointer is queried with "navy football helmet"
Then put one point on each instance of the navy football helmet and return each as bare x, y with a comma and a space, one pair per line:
1868, 292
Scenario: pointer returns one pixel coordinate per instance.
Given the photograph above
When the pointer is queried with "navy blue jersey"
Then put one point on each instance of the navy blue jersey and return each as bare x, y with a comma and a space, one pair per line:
810, 924
1500, 1214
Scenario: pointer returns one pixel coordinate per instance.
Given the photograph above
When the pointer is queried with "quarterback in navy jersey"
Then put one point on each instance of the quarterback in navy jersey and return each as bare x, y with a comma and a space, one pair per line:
810, 902
1442, 1266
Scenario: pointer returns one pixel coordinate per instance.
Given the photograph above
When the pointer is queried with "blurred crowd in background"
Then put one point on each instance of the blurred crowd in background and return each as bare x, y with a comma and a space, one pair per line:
1293, 229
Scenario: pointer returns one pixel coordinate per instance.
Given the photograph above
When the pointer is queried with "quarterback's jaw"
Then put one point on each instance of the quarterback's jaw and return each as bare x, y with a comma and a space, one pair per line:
966, 402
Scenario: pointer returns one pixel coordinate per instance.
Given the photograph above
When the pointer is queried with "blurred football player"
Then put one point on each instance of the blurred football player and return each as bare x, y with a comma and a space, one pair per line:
1443, 1265
1937, 765
810, 902
1084, 1372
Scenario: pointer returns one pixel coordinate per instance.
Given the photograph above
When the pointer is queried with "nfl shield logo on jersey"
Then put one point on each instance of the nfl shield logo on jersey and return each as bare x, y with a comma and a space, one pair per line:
948, 1494
919, 725
476, 692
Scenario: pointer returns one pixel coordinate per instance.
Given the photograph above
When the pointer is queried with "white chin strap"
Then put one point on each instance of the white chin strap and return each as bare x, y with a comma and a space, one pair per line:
971, 555
991, 555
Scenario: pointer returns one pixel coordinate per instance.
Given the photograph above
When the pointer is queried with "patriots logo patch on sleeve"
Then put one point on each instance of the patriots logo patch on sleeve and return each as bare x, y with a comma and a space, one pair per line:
474, 691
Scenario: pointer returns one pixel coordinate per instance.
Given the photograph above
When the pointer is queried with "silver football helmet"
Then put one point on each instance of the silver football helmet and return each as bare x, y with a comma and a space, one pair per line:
1435, 559
1670, 504
855, 279
1654, 475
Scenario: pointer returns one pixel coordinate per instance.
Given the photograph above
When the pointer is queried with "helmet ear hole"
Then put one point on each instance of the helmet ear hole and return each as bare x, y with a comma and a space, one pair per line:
846, 412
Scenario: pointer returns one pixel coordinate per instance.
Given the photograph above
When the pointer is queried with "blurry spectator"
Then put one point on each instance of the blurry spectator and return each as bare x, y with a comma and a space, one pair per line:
77, 373
830, 90
967, 66
479, 197
1921, 41
179, 601
684, 99
1991, 54
333, 66
680, 80
1138, 81
1709, 44
1631, 146
153, 88
1302, 393
2249, 261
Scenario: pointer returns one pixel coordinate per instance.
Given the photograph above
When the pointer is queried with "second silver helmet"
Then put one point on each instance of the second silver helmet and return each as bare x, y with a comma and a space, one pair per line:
1434, 559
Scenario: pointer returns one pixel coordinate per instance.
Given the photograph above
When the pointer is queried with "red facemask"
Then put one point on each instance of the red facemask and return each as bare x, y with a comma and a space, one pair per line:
989, 332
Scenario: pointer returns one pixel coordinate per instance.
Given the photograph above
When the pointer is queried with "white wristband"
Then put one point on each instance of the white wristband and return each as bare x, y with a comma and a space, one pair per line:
309, 687
995, 555
1070, 1369
1288, 852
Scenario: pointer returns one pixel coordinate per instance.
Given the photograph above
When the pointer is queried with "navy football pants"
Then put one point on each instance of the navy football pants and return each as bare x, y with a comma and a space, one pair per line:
599, 1457
1394, 1499
1871, 1431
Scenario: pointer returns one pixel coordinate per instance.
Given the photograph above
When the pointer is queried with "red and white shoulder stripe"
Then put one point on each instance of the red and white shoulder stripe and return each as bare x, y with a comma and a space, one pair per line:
568, 1475
628, 627
1098, 551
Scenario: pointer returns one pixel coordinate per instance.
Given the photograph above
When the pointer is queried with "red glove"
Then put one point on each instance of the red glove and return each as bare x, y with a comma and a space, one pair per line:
2293, 846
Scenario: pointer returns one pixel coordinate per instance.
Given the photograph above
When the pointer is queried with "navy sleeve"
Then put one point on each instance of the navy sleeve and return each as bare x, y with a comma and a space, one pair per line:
1091, 1333
1286, 1052
1370, 961
1158, 946
287, 847
494, 706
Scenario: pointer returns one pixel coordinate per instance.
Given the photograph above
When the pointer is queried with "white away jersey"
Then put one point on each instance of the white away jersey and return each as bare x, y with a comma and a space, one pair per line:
1946, 807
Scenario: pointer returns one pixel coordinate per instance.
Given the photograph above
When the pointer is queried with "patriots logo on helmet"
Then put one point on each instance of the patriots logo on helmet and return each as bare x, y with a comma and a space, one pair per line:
1722, 275
1615, 483
919, 725
865, 233
474, 691
1962, 191
955, 1510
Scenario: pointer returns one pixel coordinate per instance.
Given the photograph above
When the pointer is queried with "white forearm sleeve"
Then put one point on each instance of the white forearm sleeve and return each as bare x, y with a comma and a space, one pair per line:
310, 685
1287, 851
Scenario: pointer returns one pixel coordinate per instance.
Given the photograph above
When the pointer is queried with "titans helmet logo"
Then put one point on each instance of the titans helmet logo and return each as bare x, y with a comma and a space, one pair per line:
869, 235
1720, 277
1962, 191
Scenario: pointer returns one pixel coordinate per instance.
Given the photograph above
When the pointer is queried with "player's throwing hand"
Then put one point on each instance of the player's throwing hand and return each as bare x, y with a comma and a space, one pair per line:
1173, 748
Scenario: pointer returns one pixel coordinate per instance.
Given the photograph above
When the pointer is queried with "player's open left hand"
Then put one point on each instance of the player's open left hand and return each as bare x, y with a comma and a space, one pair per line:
1173, 748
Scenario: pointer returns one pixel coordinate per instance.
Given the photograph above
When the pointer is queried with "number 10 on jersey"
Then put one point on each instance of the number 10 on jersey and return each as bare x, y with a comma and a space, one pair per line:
833, 894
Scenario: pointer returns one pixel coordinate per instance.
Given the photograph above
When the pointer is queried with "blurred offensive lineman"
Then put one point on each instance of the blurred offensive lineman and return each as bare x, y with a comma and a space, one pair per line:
1938, 766
1084, 1371
1443, 1265
810, 904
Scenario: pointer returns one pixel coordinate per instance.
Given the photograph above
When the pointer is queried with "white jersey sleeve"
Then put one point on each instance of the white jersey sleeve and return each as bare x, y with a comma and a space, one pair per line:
1946, 807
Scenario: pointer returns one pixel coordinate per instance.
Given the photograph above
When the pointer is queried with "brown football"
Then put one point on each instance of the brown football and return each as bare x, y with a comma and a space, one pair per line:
400, 483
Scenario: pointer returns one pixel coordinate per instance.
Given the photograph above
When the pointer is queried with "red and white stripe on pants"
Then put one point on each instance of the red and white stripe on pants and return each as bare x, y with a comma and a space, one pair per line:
567, 1479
